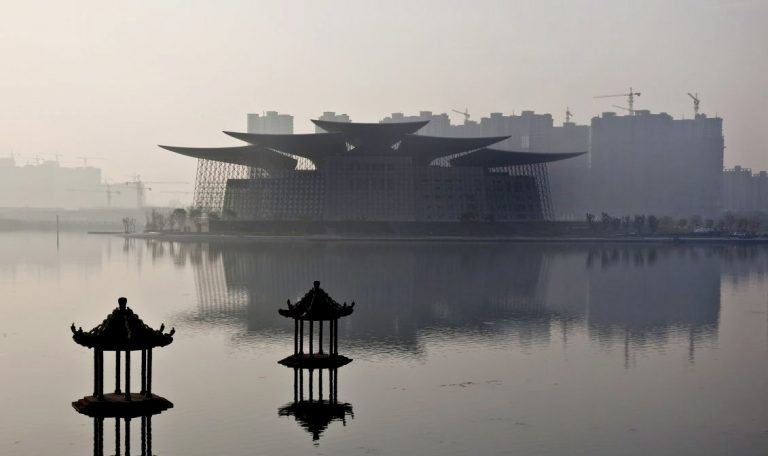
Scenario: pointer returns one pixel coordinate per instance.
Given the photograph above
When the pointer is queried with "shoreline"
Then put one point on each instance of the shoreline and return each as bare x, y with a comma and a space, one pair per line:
255, 238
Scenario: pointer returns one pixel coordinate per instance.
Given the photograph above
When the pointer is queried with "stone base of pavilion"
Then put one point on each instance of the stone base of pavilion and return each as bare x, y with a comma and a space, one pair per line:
315, 361
115, 405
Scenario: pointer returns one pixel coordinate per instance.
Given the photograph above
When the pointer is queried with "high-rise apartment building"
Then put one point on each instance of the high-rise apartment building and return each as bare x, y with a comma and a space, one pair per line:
332, 117
654, 164
211, 177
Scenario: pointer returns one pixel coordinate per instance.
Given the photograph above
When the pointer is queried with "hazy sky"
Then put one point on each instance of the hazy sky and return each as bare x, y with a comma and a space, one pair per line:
113, 80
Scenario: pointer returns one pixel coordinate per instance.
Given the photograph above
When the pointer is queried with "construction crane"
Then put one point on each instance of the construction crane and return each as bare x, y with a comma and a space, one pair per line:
696, 101
464, 113
630, 99
568, 114
141, 188
109, 192
85, 159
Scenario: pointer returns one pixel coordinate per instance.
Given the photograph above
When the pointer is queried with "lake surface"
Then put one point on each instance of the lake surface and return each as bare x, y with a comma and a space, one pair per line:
458, 348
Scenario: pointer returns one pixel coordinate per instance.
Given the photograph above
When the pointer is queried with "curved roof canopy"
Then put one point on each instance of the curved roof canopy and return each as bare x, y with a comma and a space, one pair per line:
314, 146
122, 330
495, 158
253, 156
425, 149
317, 305
371, 134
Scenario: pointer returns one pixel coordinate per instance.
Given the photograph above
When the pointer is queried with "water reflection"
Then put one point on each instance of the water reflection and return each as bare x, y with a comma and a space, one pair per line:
313, 409
122, 436
629, 297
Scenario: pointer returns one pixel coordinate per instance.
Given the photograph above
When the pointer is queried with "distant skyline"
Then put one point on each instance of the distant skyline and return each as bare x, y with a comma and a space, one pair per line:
114, 80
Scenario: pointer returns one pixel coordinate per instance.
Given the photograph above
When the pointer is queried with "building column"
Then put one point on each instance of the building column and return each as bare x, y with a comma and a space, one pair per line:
127, 381
117, 371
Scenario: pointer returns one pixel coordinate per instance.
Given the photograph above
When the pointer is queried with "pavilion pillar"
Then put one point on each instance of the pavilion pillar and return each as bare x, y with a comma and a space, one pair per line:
335, 336
295, 384
127, 383
117, 436
127, 436
330, 337
295, 336
320, 339
311, 337
320, 384
95, 373
335, 385
117, 371
301, 385
143, 436
143, 372
149, 372
311, 375
101, 376
149, 435
330, 385
301, 337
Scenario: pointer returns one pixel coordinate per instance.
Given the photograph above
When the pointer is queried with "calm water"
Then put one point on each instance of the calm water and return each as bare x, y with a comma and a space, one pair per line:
458, 349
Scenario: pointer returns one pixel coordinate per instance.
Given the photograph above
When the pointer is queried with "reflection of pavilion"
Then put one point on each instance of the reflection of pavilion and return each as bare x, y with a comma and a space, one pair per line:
122, 428
316, 409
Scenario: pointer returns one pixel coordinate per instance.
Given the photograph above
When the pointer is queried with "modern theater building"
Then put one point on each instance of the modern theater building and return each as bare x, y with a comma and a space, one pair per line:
373, 172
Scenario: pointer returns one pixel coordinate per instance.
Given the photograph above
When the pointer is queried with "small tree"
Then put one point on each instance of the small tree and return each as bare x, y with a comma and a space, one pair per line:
590, 220
178, 217
653, 223
639, 223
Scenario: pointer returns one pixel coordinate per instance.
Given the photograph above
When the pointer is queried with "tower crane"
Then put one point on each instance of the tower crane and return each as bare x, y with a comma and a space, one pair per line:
109, 192
141, 188
85, 159
630, 99
696, 100
464, 113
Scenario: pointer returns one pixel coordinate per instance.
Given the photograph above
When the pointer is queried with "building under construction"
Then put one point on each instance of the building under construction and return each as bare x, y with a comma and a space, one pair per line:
372, 172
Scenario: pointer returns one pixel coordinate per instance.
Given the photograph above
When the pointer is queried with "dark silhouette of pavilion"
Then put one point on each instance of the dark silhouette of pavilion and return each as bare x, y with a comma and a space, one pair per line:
122, 331
316, 306
313, 410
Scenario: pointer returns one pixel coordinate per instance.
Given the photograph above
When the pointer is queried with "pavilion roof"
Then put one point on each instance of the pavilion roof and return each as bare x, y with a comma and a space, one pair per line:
317, 305
122, 330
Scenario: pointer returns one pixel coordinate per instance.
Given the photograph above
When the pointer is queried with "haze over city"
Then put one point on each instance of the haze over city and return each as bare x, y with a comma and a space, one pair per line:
113, 81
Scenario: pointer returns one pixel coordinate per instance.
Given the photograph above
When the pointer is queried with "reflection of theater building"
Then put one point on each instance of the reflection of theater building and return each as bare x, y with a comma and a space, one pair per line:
378, 173
649, 295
